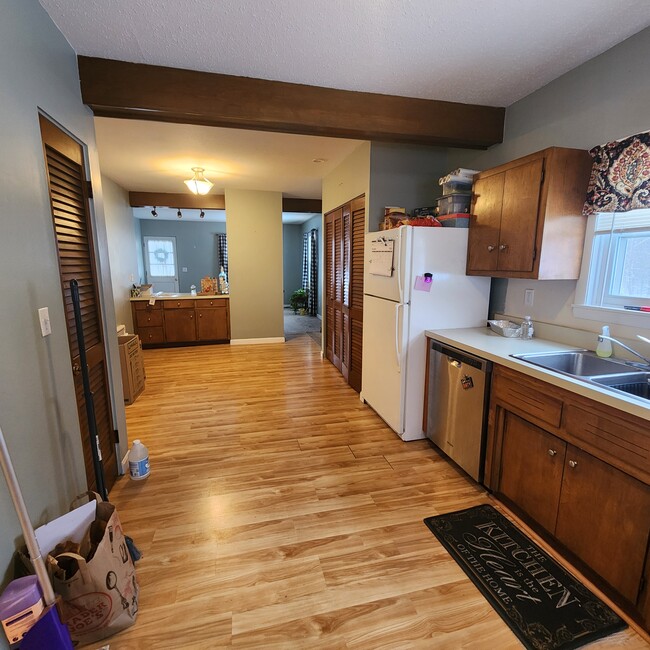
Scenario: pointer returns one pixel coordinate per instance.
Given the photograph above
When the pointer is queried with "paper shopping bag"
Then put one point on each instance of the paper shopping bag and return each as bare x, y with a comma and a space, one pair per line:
98, 585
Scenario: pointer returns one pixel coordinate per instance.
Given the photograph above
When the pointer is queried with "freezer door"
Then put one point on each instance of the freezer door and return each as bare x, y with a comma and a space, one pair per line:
383, 380
377, 246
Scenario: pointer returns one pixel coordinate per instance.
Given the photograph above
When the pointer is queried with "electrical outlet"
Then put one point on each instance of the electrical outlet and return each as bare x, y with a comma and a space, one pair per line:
44, 319
529, 297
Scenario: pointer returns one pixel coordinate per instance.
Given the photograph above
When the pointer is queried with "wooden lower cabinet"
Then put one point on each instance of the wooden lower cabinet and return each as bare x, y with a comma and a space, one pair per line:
180, 326
184, 321
532, 461
568, 483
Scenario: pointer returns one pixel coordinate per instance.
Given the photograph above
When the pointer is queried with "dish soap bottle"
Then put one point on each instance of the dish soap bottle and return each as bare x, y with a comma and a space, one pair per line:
223, 282
604, 347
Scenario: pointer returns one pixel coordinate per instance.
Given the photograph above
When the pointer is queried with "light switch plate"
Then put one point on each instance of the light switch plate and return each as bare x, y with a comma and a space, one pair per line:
529, 297
44, 320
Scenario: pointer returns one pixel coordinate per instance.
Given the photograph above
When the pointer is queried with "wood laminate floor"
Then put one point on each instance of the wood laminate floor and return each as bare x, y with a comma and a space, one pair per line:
281, 512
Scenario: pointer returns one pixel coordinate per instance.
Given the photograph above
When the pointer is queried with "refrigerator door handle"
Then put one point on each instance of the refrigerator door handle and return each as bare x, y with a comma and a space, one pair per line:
400, 283
398, 347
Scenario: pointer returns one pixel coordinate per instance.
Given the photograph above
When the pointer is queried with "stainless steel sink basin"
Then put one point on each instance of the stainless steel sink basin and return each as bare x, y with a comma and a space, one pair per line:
577, 363
632, 383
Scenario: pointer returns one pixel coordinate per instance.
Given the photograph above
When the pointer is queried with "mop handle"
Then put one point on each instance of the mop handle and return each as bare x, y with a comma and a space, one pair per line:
25, 524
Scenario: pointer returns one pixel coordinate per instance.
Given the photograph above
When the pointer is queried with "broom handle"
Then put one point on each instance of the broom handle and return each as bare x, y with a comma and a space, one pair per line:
25, 524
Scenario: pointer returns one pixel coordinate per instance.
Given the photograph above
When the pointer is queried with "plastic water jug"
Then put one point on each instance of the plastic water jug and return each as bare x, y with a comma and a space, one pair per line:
139, 461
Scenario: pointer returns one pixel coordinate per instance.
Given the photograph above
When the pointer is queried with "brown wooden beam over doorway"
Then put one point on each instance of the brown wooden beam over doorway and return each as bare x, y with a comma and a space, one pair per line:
148, 92
210, 202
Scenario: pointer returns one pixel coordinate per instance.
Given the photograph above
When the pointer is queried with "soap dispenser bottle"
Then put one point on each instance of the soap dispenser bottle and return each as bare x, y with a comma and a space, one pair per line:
604, 347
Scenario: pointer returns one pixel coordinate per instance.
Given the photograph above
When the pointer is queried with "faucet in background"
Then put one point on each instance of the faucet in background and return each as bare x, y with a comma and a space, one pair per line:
602, 337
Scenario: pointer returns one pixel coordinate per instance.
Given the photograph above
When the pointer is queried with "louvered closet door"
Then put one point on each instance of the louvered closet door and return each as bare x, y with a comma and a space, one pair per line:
345, 291
329, 287
355, 304
64, 162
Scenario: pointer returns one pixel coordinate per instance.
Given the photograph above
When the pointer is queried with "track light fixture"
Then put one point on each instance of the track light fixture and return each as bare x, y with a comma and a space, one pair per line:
179, 214
202, 214
198, 184
153, 212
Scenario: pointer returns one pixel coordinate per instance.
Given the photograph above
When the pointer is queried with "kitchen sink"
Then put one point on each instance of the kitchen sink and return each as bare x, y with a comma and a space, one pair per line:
577, 363
632, 383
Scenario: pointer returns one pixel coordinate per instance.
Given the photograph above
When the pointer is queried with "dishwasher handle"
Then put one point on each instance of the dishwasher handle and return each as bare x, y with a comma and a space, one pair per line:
461, 357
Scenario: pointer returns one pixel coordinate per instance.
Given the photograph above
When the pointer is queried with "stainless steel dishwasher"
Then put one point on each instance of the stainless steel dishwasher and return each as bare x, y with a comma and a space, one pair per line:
458, 392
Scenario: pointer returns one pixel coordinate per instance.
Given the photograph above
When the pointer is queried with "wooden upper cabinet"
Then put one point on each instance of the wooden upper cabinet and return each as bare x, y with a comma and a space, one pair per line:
528, 219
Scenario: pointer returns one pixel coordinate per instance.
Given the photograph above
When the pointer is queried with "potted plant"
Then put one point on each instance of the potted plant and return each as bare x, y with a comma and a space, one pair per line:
298, 301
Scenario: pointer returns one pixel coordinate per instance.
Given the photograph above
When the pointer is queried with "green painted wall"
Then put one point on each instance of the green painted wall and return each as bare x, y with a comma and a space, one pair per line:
255, 259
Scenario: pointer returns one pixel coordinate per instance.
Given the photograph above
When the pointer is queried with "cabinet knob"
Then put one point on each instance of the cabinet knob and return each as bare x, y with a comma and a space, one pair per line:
178, 304
191, 315
491, 248
552, 452
503, 247
200, 315
573, 463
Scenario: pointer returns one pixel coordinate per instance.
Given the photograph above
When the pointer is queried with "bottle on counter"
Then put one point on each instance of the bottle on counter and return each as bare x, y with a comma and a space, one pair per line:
223, 282
604, 347
527, 328
139, 467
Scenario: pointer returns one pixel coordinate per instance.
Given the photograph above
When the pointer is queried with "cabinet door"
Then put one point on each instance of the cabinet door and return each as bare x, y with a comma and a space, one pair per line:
482, 252
521, 195
212, 324
531, 469
604, 518
180, 325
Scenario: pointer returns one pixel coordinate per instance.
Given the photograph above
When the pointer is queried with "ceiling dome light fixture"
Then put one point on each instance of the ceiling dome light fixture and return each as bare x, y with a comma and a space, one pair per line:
198, 184
153, 212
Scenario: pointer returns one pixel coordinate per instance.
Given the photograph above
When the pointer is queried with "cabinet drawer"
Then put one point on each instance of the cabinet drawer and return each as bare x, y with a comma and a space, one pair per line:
178, 304
148, 318
142, 305
150, 335
212, 304
617, 441
526, 397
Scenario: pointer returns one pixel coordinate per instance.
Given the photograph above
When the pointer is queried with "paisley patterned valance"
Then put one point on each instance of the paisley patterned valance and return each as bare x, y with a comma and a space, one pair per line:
620, 176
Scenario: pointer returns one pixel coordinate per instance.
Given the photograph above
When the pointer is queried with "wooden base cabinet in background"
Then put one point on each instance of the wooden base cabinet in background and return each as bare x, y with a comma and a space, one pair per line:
184, 321
527, 217
343, 250
580, 472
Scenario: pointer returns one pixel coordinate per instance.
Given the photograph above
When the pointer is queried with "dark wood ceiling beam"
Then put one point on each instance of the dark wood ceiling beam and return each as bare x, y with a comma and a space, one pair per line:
147, 92
210, 202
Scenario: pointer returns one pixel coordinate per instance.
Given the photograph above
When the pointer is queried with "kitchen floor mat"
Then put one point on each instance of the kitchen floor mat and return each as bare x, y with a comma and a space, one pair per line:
544, 605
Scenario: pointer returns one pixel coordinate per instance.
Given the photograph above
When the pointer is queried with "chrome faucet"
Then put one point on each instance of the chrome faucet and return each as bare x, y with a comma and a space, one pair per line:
602, 337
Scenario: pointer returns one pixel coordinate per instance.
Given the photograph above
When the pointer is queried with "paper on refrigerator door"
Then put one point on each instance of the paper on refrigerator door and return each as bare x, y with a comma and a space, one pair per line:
381, 257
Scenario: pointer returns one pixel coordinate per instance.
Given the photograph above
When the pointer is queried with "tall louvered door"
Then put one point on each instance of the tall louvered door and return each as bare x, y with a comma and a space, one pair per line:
69, 195
334, 289
355, 303
344, 235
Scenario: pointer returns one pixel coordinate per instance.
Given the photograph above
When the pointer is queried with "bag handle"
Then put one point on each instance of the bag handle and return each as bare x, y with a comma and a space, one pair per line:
81, 563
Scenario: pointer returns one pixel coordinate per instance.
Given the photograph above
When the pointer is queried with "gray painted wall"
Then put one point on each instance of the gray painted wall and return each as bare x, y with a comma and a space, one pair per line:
37, 403
291, 259
403, 176
120, 230
605, 99
196, 247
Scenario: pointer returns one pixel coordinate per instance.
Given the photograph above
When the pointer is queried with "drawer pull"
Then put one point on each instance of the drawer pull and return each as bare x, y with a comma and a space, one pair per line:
491, 248
552, 452
573, 463
503, 247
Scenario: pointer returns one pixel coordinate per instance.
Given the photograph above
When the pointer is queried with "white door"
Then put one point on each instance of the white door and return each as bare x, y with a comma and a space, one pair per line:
386, 269
160, 263
383, 371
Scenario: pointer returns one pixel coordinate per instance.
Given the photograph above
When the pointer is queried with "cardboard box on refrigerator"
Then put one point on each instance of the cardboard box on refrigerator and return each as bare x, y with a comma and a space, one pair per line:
132, 364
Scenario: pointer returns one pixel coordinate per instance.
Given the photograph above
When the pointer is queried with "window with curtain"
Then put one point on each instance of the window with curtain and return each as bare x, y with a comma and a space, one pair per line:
222, 251
310, 270
617, 249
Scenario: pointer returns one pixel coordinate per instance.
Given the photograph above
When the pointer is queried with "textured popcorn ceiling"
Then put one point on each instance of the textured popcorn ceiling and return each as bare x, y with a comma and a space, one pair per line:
490, 52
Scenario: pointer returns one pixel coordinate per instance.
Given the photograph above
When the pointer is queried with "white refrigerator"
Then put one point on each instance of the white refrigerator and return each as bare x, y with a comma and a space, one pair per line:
400, 302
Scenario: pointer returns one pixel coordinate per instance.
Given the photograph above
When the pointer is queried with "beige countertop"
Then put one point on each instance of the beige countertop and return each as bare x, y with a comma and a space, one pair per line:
181, 296
484, 343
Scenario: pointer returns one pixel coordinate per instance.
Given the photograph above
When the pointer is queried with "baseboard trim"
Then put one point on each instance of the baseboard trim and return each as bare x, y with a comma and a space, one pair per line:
274, 339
